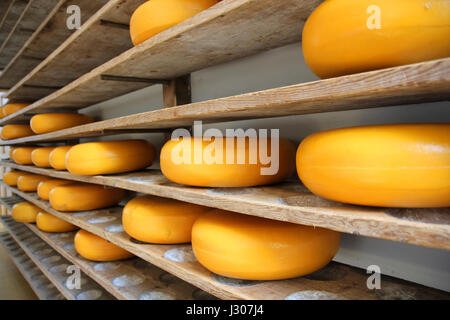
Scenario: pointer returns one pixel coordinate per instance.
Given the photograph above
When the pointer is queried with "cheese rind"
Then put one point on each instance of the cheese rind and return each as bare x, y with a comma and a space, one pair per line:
402, 165
108, 157
84, 196
25, 212
252, 248
160, 220
92, 247
49, 223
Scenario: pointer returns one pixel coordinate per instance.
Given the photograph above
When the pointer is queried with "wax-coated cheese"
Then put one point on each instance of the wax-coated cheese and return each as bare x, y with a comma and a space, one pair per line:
45, 187
155, 16
49, 122
11, 108
108, 157
10, 178
348, 36
16, 131
25, 212
22, 155
195, 162
84, 196
404, 165
49, 223
160, 220
57, 157
40, 157
92, 247
30, 182
246, 247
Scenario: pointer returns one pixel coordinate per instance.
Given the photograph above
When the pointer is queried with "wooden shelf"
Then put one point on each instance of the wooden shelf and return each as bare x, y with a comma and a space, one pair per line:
45, 39
336, 281
9, 202
229, 30
426, 81
52, 264
12, 15
91, 45
289, 201
41, 286
31, 18
145, 280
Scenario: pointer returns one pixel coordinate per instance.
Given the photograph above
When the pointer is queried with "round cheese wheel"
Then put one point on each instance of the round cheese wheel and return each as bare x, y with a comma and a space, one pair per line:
155, 16
40, 157
15, 131
49, 122
160, 220
45, 187
92, 247
405, 165
11, 150
349, 36
191, 161
30, 182
25, 212
22, 155
10, 178
11, 108
49, 223
2, 115
94, 158
245, 247
84, 196
57, 157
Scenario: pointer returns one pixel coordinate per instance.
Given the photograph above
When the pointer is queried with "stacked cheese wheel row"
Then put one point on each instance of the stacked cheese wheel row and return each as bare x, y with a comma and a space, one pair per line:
404, 165
42, 123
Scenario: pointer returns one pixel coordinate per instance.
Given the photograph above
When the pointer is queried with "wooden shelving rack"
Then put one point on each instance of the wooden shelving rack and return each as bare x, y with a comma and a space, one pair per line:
39, 283
52, 265
86, 67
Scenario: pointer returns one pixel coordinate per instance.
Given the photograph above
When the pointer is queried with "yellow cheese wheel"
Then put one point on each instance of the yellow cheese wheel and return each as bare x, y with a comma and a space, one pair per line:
49, 122
22, 155
2, 115
92, 247
405, 165
94, 158
252, 248
57, 157
11, 108
10, 178
40, 157
160, 220
30, 182
84, 196
11, 150
205, 171
155, 16
15, 131
49, 223
349, 36
45, 187
25, 212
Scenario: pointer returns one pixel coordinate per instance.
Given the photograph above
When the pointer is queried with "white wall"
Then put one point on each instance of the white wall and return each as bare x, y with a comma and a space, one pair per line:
285, 66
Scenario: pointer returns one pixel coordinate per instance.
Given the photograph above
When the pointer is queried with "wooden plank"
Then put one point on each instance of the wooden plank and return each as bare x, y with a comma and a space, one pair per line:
9, 202
42, 287
290, 202
152, 281
13, 14
229, 30
422, 82
47, 37
336, 281
51, 263
4, 7
33, 15
93, 44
